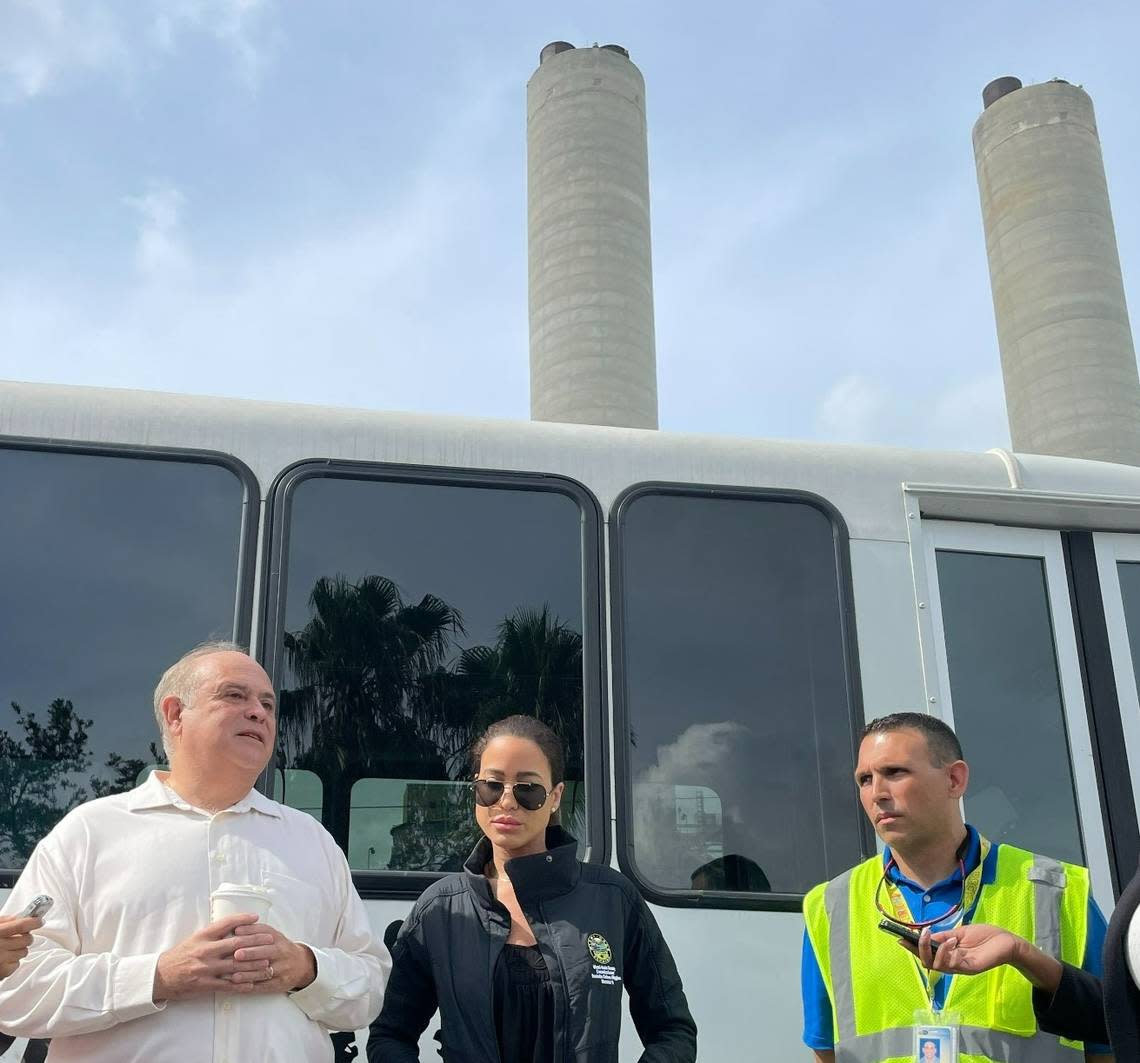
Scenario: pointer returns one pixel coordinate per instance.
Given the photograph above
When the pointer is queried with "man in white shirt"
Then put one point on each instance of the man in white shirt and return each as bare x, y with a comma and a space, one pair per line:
129, 965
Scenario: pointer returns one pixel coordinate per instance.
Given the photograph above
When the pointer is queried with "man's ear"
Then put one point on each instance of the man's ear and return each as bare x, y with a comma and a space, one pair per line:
959, 773
172, 710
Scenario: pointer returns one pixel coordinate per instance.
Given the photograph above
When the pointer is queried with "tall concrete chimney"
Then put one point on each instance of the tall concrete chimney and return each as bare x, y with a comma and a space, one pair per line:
592, 357
1071, 385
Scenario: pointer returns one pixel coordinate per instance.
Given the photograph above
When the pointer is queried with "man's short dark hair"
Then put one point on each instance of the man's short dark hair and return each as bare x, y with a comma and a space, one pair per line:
940, 739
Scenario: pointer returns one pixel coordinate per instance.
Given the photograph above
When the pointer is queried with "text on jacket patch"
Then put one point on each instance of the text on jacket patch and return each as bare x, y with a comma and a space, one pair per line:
602, 955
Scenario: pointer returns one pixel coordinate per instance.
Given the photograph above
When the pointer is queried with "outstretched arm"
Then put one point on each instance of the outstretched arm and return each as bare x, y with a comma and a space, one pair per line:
1067, 1001
979, 947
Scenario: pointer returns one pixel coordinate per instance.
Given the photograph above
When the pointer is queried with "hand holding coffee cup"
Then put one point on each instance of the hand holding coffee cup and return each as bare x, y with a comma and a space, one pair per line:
207, 961
287, 965
292, 966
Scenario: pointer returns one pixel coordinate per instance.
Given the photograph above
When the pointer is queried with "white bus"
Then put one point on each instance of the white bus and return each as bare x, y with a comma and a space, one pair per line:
707, 621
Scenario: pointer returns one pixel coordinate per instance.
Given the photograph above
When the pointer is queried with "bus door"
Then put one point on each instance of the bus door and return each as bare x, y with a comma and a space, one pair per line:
1118, 576
1003, 665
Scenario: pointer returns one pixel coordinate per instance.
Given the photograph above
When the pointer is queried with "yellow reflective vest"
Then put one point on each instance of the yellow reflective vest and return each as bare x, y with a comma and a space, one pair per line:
875, 987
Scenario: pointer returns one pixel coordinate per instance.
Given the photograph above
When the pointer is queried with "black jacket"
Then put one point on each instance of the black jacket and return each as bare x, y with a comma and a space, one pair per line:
595, 933
1087, 1008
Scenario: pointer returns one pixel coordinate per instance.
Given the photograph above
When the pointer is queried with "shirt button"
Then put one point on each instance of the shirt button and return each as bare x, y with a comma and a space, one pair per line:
219, 858
227, 1006
927, 898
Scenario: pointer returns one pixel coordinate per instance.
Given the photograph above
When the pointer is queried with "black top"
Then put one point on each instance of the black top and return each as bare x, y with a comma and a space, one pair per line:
524, 1006
597, 937
1084, 1007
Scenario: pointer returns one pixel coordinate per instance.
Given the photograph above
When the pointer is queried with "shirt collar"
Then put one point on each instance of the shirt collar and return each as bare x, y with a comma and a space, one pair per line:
970, 859
154, 793
535, 877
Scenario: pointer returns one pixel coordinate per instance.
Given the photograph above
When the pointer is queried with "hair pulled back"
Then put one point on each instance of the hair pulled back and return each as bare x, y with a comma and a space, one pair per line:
531, 728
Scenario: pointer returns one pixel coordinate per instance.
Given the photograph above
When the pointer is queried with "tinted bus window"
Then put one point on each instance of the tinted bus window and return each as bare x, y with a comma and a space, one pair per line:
737, 695
1006, 691
416, 614
110, 569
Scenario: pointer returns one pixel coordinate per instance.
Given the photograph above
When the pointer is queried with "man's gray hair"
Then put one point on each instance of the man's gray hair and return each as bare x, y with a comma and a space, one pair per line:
181, 679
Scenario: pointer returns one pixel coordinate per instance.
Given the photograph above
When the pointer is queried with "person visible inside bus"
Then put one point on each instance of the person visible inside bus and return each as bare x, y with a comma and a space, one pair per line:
731, 872
130, 965
936, 872
524, 953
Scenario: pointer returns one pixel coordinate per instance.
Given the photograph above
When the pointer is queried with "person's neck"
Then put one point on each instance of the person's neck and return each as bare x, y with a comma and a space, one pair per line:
933, 860
207, 791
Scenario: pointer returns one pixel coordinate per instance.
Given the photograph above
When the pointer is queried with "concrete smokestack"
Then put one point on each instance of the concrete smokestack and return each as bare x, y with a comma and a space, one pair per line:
592, 357
1071, 385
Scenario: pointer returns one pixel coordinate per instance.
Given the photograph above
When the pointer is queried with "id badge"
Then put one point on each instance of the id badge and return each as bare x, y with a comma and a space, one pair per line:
935, 1038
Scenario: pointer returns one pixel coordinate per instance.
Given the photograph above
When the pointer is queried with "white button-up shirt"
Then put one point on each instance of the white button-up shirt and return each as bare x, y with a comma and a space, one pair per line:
132, 876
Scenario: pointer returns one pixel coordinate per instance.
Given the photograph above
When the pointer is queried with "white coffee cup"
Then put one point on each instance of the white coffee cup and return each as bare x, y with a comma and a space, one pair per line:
232, 899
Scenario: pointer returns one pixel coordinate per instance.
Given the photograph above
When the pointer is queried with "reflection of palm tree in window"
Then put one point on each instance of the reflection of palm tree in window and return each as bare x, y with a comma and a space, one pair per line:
358, 664
383, 691
534, 668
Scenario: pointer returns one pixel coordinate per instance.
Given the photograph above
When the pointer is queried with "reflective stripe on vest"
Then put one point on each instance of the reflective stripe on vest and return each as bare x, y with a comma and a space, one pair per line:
1003, 998
839, 916
1048, 878
898, 1044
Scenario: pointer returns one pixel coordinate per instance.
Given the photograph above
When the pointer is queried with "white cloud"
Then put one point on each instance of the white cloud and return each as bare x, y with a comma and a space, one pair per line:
700, 751
852, 411
380, 309
966, 414
238, 25
971, 414
41, 41
160, 251
46, 45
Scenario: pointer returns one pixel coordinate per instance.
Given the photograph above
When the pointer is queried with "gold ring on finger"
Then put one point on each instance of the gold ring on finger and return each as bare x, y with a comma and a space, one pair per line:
271, 972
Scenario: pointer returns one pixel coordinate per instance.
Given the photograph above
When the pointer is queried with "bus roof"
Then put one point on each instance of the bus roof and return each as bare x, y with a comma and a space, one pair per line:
872, 487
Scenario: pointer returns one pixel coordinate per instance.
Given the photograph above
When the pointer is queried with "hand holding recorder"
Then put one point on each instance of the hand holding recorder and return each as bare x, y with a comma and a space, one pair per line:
16, 933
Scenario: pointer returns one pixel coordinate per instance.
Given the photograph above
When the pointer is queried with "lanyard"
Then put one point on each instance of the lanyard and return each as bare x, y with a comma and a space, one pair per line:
971, 887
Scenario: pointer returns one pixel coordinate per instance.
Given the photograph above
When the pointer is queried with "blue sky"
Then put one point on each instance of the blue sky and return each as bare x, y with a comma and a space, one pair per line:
326, 202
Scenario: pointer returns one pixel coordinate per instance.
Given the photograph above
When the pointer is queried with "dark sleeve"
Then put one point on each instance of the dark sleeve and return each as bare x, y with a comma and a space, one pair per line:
1075, 1010
656, 999
409, 1000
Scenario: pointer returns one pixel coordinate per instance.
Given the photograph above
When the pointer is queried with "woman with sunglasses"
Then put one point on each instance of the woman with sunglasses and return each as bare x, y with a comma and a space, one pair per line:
525, 952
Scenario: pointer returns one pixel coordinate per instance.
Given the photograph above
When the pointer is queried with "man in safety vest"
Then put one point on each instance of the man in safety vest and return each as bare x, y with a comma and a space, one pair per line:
866, 998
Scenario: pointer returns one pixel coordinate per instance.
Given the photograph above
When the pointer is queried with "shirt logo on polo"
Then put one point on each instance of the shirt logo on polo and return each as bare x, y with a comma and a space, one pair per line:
600, 952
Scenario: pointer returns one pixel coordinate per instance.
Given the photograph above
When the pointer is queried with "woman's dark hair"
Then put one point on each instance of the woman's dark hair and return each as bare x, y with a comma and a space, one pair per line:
529, 727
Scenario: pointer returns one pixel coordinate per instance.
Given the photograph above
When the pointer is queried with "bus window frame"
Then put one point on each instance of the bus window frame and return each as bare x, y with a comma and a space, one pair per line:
404, 885
246, 566
624, 841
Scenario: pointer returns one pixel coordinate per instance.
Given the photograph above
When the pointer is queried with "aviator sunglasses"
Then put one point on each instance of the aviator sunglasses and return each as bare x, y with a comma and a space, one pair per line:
529, 795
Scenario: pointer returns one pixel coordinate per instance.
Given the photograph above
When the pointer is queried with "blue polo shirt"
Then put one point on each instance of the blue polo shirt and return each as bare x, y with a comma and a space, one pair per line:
927, 904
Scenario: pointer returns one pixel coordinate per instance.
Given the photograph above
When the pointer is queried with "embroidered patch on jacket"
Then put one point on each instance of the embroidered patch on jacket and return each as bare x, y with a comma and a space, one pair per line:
602, 955
599, 948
